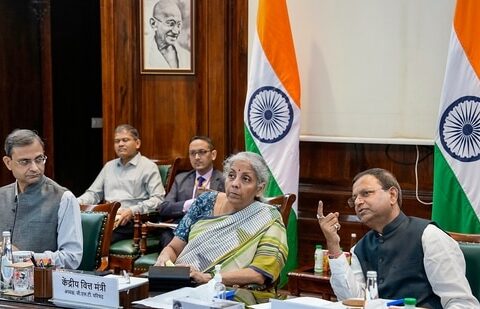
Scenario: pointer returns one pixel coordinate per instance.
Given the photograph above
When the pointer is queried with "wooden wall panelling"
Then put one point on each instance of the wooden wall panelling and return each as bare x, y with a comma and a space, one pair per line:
173, 108
215, 80
169, 109
326, 172
125, 74
167, 115
169, 106
42, 12
22, 75
336, 163
118, 52
237, 53
108, 38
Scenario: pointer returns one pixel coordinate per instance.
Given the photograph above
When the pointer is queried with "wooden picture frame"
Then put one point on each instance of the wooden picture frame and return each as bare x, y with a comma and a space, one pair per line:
167, 37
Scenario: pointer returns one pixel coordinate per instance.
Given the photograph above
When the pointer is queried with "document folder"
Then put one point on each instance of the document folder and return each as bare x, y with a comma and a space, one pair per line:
167, 278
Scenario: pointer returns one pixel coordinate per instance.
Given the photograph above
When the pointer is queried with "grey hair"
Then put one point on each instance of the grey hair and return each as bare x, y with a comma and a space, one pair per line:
21, 138
160, 6
130, 129
258, 164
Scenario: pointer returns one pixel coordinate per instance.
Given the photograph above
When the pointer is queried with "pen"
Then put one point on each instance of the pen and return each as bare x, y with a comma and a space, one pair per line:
33, 261
395, 302
229, 294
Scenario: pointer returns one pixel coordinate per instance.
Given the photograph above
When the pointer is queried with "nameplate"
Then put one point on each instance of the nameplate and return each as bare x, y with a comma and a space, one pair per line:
95, 291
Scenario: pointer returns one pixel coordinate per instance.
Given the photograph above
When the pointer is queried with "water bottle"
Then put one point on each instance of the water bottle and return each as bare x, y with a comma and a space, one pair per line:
219, 287
7, 260
410, 303
353, 240
318, 268
371, 290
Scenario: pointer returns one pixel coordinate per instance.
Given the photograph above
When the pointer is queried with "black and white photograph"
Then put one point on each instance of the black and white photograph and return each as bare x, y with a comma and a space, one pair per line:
167, 36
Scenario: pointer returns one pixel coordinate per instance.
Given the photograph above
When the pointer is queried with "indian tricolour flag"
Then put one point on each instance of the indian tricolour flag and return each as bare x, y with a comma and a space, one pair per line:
456, 190
272, 108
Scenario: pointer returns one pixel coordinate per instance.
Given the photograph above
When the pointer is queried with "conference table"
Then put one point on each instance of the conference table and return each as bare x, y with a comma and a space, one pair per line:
24, 302
300, 281
126, 299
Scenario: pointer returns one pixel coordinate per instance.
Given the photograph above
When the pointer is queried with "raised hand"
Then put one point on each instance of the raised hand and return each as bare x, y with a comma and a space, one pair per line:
330, 227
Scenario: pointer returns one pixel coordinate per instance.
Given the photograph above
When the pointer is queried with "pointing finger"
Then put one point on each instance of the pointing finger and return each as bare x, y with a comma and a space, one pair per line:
320, 210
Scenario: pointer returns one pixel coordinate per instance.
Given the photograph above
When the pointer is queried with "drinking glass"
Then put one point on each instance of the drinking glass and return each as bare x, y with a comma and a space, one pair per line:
22, 271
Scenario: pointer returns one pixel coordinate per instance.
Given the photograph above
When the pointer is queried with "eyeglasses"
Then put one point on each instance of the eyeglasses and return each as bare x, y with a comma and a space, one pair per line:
124, 140
40, 160
363, 194
201, 152
170, 22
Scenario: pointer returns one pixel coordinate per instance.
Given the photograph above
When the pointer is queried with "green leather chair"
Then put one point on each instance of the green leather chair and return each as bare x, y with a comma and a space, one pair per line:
471, 252
93, 225
470, 246
142, 264
97, 224
124, 252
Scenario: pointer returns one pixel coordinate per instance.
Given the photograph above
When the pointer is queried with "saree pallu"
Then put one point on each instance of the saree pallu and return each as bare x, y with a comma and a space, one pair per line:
253, 237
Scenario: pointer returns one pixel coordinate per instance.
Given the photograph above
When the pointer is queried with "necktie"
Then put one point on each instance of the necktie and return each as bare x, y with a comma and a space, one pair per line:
200, 181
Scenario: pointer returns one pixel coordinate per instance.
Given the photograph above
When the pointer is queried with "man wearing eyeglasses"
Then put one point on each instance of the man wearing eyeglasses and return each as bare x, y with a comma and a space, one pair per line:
412, 256
41, 215
131, 179
187, 186
164, 51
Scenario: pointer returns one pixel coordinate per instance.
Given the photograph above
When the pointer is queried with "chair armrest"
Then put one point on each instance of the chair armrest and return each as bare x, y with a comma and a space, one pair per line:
146, 228
161, 225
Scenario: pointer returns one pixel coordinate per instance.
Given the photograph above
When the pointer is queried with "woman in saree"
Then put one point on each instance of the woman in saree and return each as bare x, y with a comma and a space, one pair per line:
234, 229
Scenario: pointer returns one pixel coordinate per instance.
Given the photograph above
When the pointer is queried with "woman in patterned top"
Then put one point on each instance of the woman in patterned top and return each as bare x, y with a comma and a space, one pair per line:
234, 229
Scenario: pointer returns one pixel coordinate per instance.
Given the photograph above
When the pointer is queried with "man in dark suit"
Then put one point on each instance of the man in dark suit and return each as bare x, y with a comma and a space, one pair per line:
190, 184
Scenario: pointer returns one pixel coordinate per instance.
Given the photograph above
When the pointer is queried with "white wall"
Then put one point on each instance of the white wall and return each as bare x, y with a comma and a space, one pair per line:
370, 70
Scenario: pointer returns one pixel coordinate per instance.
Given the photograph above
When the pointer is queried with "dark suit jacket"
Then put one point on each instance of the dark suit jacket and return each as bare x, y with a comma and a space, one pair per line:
182, 190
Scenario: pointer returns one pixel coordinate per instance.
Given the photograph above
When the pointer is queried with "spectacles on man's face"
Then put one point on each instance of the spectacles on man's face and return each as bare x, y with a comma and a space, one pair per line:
170, 22
200, 152
123, 140
40, 160
363, 194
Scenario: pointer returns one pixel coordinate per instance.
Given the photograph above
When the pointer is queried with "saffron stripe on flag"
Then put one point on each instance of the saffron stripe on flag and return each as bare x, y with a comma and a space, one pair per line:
272, 17
467, 28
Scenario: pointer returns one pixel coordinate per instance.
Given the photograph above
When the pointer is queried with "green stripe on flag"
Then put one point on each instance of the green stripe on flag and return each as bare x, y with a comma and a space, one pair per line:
273, 190
451, 208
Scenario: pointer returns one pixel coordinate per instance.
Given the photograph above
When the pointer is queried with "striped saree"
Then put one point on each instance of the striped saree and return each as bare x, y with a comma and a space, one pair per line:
254, 237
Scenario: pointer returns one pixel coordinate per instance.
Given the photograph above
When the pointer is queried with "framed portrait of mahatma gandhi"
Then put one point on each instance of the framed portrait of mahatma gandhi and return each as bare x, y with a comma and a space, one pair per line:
167, 36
